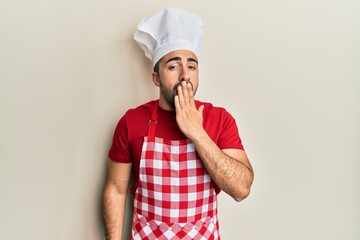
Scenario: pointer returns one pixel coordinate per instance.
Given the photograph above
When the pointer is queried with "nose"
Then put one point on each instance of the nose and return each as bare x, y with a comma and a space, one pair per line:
184, 75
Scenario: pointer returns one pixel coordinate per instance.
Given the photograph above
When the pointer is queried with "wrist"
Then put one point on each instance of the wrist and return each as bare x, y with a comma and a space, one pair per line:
199, 136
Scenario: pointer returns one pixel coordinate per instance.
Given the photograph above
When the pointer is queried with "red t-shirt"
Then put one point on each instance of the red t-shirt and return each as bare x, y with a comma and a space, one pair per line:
133, 126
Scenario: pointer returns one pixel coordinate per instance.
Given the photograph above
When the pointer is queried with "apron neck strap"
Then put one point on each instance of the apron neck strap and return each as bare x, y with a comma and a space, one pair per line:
153, 121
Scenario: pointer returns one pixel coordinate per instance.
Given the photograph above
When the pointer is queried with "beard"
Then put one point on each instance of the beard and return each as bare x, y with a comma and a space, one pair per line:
169, 94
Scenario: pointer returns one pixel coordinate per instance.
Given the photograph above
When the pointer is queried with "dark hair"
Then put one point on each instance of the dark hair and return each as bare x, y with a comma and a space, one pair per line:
156, 67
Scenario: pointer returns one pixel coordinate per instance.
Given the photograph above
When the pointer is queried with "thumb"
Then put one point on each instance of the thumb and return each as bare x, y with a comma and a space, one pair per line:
200, 110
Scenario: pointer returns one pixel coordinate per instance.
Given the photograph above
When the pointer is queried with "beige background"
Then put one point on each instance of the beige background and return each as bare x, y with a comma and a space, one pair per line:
288, 71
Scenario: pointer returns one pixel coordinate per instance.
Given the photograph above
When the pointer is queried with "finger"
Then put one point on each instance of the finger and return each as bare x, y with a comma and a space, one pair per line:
185, 91
191, 93
190, 89
177, 103
180, 95
201, 110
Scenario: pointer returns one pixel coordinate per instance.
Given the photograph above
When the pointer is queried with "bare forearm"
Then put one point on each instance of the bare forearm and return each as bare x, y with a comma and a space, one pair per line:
113, 208
230, 174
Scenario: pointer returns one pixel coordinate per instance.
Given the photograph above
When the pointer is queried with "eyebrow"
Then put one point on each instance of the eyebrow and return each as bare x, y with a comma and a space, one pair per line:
179, 59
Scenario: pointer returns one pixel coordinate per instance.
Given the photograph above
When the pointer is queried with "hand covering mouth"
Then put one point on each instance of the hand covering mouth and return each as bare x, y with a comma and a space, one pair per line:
175, 89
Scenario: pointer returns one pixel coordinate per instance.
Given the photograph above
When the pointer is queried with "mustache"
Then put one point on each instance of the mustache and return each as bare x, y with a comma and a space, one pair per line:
175, 89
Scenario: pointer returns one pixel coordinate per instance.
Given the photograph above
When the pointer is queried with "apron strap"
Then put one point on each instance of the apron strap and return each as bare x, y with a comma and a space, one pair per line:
153, 121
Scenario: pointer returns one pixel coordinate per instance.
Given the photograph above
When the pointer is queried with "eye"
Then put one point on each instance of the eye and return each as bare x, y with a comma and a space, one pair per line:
192, 67
173, 67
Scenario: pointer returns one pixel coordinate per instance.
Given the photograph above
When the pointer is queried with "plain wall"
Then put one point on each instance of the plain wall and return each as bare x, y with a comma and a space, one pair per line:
288, 71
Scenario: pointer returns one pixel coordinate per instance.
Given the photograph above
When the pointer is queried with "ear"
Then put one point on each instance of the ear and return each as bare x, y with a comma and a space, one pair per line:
156, 79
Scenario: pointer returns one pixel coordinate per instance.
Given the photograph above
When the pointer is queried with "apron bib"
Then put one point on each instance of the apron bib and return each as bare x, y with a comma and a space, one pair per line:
175, 197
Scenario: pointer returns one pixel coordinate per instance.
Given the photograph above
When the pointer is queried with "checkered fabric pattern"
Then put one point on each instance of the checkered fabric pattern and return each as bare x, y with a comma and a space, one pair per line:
173, 183
203, 229
175, 198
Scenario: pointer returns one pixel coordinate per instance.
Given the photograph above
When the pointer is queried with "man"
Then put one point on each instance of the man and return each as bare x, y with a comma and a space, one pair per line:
180, 152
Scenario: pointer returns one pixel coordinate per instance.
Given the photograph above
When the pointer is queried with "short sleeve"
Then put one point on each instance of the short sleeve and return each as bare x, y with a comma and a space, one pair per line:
120, 150
229, 136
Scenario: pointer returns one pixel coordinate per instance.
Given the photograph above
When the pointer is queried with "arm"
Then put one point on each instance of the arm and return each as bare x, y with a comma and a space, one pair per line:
229, 168
114, 198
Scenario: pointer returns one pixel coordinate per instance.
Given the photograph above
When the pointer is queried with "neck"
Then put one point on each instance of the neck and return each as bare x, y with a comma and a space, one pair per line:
165, 105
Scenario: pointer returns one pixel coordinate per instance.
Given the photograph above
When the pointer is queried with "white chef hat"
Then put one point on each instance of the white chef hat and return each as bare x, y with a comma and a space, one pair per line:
169, 30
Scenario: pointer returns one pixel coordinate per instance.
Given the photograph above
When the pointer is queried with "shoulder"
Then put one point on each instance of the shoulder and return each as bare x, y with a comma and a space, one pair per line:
216, 118
139, 112
212, 111
134, 122
135, 116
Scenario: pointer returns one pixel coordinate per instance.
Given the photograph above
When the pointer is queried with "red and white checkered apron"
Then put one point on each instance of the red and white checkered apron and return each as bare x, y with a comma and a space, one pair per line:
175, 197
